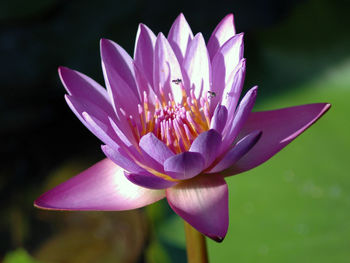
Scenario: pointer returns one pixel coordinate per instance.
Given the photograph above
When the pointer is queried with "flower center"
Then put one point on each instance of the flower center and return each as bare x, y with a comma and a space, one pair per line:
176, 124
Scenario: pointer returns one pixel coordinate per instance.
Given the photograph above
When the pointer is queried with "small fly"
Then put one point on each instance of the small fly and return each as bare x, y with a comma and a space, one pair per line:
176, 81
211, 94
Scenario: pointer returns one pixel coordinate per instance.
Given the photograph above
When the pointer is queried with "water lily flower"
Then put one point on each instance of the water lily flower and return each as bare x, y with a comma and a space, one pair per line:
172, 126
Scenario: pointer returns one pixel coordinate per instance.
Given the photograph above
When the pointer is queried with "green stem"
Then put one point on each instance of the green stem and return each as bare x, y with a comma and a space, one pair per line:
195, 245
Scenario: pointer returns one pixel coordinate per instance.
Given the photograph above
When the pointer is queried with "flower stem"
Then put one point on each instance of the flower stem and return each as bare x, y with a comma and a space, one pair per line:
195, 245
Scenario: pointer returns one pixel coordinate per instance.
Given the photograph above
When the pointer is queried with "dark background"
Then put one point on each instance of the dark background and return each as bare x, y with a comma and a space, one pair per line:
287, 44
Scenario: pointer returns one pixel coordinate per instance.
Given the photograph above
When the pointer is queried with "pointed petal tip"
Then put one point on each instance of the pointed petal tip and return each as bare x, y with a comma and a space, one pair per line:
105, 44
218, 239
229, 16
61, 69
180, 18
104, 41
325, 108
143, 27
38, 203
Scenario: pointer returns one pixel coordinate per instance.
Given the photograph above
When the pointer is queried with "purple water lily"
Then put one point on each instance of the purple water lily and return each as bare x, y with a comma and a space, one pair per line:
172, 126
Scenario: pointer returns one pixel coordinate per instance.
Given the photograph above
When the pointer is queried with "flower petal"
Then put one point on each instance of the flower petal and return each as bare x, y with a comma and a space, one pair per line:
116, 59
155, 148
102, 131
207, 144
101, 187
97, 122
279, 128
124, 98
121, 158
149, 180
233, 89
196, 66
237, 152
224, 62
179, 36
184, 165
218, 121
203, 203
223, 32
166, 68
83, 87
241, 115
144, 50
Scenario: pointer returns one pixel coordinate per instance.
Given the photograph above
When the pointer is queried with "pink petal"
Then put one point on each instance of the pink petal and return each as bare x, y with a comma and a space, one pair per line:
218, 121
184, 165
203, 203
166, 68
279, 128
144, 50
233, 89
237, 152
97, 122
196, 66
223, 64
83, 87
101, 187
179, 36
223, 32
123, 132
116, 59
241, 115
208, 145
123, 97
155, 148
149, 180
122, 159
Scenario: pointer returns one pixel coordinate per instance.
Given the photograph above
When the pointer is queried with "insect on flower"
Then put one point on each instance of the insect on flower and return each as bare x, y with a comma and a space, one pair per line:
211, 94
176, 81
175, 141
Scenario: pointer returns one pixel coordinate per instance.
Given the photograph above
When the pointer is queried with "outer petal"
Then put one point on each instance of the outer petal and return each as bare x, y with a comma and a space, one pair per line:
218, 121
184, 165
208, 145
144, 50
223, 32
149, 180
224, 62
123, 97
83, 87
116, 59
97, 122
166, 68
101, 131
196, 66
203, 203
101, 187
180, 35
279, 128
155, 148
237, 152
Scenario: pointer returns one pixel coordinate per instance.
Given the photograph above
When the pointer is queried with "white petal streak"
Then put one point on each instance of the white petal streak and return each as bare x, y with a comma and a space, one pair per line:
197, 66
166, 68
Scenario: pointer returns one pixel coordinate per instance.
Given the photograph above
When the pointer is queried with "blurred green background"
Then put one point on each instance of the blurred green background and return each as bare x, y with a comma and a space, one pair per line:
294, 208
